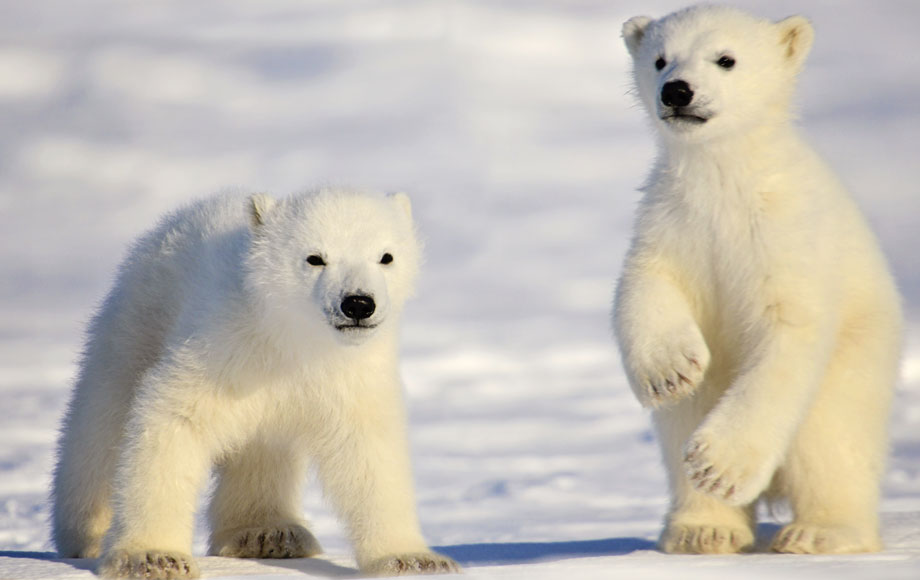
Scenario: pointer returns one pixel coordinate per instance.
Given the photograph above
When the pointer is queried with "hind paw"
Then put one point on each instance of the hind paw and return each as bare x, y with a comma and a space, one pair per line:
281, 541
814, 539
411, 564
705, 539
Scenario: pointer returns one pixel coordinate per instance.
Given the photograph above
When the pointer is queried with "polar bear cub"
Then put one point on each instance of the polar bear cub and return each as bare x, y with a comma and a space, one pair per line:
755, 313
247, 334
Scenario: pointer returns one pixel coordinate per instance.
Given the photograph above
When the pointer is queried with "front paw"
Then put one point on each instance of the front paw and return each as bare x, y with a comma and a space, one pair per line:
281, 541
152, 564
670, 368
726, 468
410, 564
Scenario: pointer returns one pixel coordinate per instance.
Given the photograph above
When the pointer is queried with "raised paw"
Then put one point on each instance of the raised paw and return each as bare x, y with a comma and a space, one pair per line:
151, 565
670, 368
727, 469
799, 538
705, 539
281, 541
410, 564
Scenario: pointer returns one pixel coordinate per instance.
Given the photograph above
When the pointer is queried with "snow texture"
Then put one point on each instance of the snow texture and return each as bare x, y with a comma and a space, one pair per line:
512, 127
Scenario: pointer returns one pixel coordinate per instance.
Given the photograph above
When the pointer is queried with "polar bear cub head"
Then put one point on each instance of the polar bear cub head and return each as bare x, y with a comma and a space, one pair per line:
332, 263
710, 71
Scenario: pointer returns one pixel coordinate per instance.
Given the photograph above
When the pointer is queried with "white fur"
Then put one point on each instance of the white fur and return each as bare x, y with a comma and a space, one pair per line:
755, 313
218, 346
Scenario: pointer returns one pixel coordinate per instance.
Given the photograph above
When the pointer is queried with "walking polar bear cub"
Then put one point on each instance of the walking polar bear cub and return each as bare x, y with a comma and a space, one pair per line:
755, 313
248, 334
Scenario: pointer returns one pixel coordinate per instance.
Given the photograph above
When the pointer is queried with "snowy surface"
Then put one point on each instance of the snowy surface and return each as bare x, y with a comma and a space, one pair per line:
511, 126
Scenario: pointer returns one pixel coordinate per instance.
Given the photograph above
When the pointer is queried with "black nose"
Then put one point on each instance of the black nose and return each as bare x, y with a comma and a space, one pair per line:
676, 94
358, 306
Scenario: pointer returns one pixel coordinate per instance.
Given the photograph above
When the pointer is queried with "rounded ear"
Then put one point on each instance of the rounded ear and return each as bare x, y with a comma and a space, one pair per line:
795, 37
402, 200
259, 206
633, 31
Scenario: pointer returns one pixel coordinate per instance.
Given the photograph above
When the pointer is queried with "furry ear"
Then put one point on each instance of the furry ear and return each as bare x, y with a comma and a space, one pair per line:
795, 37
633, 31
402, 200
259, 206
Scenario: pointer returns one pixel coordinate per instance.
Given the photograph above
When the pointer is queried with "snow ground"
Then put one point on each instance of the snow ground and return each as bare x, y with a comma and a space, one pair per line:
532, 459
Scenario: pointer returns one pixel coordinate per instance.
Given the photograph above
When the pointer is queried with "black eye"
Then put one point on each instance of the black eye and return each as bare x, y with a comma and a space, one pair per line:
315, 260
660, 63
726, 62
386, 258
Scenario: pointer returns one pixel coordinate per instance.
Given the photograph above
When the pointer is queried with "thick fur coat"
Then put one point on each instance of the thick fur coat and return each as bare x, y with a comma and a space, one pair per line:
258, 337
755, 314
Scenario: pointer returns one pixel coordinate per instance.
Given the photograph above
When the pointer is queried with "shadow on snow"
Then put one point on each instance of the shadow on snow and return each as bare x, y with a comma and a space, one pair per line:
522, 552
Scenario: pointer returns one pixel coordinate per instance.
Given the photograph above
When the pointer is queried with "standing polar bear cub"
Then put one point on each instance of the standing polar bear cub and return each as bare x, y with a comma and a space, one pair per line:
755, 313
246, 334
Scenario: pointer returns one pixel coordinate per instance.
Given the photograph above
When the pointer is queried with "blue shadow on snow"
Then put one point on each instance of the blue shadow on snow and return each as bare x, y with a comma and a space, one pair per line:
520, 552
77, 563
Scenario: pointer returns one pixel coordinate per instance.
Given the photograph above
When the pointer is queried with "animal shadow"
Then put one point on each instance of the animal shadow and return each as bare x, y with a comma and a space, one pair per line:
523, 552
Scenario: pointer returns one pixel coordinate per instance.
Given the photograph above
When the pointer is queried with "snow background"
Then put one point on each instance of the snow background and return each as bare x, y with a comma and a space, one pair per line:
510, 125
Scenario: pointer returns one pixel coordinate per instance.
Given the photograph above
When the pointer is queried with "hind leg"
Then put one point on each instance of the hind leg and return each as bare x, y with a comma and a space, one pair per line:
87, 454
122, 343
834, 467
696, 523
82, 486
255, 511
